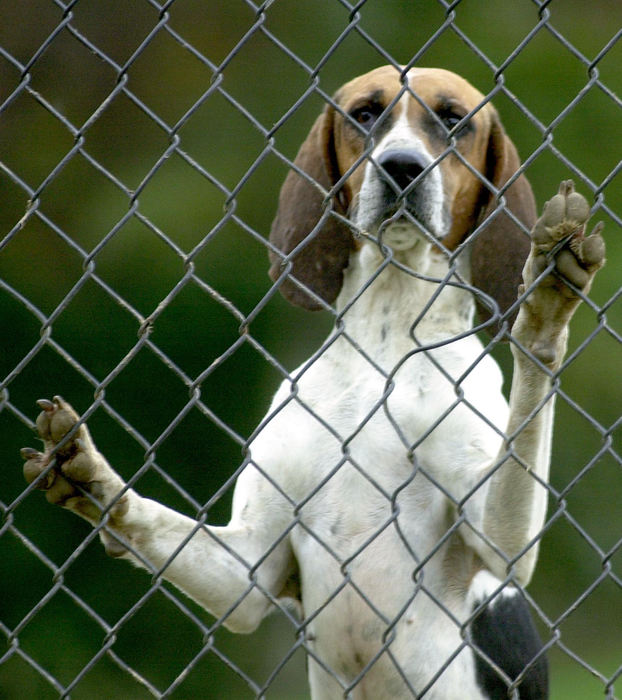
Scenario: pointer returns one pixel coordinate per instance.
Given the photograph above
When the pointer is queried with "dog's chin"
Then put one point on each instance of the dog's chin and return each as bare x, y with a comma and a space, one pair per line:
402, 234
400, 229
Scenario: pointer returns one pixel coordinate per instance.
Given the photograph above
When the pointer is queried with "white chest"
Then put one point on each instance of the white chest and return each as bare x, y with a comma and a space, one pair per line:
373, 446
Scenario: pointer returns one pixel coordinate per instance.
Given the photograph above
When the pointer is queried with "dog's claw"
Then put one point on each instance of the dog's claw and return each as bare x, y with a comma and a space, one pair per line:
28, 453
566, 187
35, 464
47, 405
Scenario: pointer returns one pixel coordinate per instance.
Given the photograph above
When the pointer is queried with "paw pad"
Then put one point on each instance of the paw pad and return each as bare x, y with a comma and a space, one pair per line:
559, 234
72, 464
563, 215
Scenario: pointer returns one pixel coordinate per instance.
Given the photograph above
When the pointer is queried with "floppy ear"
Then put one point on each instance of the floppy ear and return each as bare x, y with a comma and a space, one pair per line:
500, 248
325, 250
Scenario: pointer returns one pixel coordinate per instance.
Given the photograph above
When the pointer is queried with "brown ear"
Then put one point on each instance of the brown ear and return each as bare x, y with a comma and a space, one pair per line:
324, 247
500, 247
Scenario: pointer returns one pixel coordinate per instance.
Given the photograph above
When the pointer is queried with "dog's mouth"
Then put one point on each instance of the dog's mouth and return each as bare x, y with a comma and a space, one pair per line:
401, 221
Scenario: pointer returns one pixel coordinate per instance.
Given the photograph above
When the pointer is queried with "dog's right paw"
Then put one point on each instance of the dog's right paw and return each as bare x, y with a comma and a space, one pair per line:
70, 469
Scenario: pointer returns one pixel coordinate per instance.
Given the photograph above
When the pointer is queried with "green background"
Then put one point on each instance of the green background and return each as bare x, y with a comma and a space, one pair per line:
142, 222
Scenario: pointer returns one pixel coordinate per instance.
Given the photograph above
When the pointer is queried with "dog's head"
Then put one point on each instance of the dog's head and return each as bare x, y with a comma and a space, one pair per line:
397, 155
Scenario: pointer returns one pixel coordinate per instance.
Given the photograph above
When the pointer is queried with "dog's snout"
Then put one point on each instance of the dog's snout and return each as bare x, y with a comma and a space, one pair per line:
402, 165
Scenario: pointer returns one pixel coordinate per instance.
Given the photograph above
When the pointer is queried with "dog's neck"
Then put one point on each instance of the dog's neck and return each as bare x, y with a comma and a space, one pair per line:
387, 302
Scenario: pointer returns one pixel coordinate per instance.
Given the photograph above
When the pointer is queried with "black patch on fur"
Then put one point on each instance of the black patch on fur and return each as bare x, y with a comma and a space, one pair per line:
505, 633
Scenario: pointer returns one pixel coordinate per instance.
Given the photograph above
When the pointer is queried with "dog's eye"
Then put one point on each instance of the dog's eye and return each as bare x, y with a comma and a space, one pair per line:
450, 119
366, 115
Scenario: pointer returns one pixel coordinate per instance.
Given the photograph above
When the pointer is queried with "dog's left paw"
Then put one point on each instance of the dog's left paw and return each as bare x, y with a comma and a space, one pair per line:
559, 236
558, 273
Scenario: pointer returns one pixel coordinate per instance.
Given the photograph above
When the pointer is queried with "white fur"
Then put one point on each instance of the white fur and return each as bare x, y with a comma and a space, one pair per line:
314, 451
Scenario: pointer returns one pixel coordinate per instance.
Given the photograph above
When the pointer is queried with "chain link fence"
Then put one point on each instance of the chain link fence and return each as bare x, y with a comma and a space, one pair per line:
143, 147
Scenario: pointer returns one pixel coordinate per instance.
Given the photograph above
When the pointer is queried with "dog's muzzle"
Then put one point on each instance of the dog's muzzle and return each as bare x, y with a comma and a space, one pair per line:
401, 200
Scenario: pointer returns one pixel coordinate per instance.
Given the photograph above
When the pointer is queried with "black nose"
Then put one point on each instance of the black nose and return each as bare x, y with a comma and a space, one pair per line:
402, 165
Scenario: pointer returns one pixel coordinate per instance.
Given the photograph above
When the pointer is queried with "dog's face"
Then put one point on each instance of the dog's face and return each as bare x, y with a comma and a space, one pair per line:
411, 159
398, 155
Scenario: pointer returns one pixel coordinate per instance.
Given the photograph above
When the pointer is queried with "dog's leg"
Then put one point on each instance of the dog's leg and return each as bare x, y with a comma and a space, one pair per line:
213, 565
516, 499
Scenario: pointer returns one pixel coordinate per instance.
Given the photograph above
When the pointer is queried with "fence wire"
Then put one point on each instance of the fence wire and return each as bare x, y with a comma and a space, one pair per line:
74, 80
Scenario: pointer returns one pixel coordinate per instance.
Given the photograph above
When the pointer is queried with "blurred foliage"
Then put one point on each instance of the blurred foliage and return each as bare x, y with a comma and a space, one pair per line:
144, 225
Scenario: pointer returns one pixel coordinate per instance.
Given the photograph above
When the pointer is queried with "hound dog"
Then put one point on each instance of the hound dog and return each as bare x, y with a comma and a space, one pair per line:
391, 492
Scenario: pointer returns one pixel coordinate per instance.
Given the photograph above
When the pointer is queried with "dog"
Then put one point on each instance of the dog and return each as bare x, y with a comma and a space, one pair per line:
391, 495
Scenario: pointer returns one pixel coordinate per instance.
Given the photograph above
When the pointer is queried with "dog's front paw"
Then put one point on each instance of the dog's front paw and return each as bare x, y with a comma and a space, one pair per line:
70, 469
557, 274
559, 236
